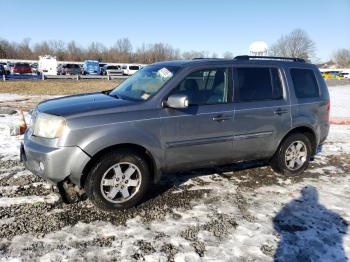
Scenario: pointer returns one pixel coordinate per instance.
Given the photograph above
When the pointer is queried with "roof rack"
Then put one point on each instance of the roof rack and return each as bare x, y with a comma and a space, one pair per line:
198, 58
247, 57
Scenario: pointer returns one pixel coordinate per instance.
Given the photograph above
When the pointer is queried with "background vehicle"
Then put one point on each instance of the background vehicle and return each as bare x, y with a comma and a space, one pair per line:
21, 68
330, 74
2, 70
4, 65
343, 75
91, 67
173, 116
34, 67
112, 70
8, 67
130, 69
47, 65
102, 65
69, 69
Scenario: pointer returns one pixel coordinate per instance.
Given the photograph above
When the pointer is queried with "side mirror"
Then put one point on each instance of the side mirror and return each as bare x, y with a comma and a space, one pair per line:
177, 101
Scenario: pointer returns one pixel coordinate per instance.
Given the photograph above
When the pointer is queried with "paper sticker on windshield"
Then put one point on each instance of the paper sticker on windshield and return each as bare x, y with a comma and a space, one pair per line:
165, 73
145, 96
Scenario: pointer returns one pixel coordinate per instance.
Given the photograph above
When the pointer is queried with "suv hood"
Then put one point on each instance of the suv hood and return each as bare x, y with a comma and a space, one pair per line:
71, 105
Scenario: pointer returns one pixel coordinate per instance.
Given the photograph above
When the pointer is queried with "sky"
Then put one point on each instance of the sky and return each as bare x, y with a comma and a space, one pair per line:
201, 25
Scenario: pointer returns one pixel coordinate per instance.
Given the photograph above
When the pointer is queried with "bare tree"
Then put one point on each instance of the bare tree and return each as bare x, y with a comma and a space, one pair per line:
195, 54
296, 44
228, 55
58, 48
95, 51
123, 49
73, 52
42, 48
342, 57
24, 50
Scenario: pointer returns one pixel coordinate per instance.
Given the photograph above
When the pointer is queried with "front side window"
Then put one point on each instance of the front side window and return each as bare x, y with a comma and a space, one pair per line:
305, 84
258, 83
145, 83
205, 87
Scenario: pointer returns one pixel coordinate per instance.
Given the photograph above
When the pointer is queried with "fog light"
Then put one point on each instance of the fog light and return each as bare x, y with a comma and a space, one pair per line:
41, 165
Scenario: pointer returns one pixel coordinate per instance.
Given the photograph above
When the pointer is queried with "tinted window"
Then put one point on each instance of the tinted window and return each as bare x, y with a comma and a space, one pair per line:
113, 67
134, 67
71, 66
254, 84
205, 87
22, 64
305, 84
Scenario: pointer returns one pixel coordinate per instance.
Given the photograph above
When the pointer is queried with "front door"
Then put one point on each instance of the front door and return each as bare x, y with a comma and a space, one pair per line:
200, 135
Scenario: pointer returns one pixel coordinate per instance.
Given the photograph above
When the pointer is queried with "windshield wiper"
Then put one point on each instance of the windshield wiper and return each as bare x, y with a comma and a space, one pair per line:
108, 93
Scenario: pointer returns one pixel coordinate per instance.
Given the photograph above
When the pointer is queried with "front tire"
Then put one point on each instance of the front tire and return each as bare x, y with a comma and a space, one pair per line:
293, 155
119, 180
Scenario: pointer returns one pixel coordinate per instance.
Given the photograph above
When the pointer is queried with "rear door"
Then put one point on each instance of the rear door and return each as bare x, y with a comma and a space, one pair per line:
262, 111
201, 134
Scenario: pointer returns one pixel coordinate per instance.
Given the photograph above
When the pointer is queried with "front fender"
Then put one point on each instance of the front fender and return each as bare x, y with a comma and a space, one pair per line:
146, 134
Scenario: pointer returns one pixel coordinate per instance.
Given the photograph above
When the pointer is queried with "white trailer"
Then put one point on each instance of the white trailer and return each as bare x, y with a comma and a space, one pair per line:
47, 65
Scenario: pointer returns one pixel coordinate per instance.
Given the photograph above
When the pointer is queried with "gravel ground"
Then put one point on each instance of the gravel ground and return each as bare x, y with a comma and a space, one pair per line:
175, 194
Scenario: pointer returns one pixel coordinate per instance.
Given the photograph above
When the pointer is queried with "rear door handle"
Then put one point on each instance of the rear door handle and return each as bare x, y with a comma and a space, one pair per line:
280, 111
220, 118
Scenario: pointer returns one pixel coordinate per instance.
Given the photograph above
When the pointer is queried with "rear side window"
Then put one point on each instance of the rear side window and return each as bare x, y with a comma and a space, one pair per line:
305, 84
258, 83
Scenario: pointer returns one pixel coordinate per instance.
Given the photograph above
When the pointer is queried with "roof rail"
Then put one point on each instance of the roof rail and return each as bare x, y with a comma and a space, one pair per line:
198, 58
248, 57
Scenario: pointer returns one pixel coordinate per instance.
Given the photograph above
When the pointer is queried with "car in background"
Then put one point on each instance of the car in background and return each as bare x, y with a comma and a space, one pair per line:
34, 67
7, 67
112, 70
21, 68
2, 70
330, 74
91, 67
346, 75
342, 75
102, 65
69, 69
129, 70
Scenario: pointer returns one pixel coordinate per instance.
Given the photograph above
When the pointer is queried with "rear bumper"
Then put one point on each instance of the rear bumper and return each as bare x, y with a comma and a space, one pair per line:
54, 164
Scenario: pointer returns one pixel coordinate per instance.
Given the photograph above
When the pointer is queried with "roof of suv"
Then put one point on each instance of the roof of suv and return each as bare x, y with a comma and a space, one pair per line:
238, 59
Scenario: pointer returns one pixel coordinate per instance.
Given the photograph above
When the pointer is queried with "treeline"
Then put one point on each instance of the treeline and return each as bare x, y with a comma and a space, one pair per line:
295, 44
122, 51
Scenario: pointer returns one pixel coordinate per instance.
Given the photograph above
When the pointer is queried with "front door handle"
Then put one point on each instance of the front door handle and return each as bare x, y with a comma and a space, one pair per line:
280, 111
220, 118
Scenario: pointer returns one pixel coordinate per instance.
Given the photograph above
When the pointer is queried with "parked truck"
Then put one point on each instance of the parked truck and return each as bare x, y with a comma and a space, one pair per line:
47, 65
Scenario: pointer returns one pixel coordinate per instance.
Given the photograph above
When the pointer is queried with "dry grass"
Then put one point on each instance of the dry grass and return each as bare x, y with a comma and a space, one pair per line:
56, 87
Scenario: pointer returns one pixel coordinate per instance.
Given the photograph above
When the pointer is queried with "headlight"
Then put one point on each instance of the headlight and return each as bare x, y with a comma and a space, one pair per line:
49, 126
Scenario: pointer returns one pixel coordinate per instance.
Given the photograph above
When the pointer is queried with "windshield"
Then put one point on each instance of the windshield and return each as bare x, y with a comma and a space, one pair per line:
145, 83
92, 63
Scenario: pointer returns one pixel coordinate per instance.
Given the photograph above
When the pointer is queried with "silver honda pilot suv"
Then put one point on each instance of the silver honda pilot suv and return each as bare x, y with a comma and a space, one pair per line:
178, 115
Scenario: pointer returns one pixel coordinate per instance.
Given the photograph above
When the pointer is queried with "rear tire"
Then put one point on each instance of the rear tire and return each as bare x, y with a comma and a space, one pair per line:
119, 180
293, 155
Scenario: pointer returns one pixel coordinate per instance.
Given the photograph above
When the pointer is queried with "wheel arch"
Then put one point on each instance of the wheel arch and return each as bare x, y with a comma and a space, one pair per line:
309, 132
154, 170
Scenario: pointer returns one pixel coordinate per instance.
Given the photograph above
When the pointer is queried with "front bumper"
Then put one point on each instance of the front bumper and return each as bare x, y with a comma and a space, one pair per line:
54, 164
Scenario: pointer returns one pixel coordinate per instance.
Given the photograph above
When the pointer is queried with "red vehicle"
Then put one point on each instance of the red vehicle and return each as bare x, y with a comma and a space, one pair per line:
21, 68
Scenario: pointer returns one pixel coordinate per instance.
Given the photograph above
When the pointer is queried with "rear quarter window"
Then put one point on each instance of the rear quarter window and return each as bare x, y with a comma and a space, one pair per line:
305, 83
